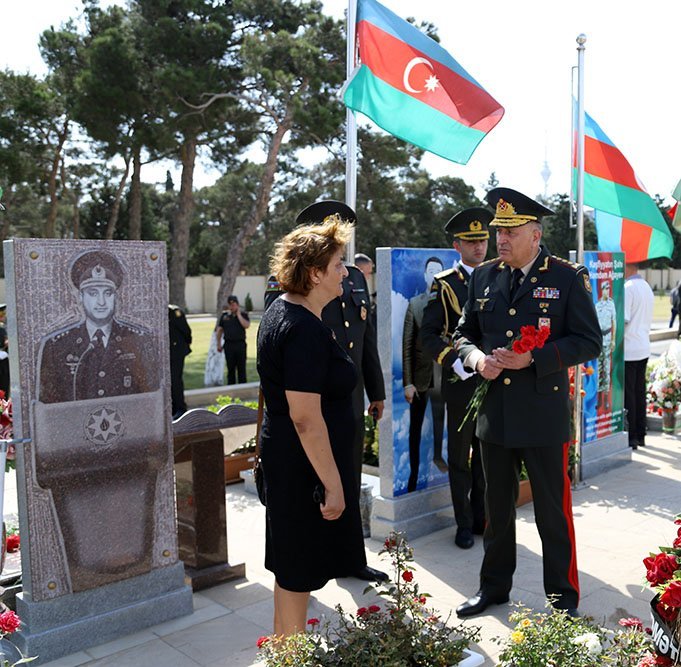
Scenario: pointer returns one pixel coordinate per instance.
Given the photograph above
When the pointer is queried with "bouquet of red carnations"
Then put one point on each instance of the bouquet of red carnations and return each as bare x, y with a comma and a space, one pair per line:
530, 338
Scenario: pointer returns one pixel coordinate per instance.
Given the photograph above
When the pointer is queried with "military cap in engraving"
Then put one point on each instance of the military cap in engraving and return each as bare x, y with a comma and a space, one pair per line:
96, 267
514, 209
470, 224
321, 210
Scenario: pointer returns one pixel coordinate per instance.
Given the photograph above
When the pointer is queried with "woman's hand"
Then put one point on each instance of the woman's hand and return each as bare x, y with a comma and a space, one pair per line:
334, 505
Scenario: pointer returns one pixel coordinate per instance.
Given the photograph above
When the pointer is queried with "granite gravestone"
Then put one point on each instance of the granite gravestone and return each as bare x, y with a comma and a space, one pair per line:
90, 385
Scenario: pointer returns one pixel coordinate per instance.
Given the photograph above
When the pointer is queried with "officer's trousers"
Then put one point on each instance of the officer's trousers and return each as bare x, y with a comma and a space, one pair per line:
417, 411
552, 497
235, 356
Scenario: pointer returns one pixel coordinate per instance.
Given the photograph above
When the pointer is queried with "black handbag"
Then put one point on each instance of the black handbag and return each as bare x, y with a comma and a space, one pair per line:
258, 473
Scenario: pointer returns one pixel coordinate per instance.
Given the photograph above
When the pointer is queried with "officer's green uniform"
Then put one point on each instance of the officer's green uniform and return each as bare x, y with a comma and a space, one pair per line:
526, 415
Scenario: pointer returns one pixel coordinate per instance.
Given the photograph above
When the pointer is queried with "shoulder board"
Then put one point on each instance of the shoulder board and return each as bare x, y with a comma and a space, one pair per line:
491, 262
140, 331
444, 274
565, 262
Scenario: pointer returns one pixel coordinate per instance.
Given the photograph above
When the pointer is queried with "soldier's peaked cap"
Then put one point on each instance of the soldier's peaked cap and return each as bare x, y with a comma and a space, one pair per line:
513, 209
470, 224
321, 210
96, 267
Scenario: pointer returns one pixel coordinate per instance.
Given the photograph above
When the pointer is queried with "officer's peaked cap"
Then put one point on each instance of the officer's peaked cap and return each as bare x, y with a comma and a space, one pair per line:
96, 267
321, 210
513, 209
470, 224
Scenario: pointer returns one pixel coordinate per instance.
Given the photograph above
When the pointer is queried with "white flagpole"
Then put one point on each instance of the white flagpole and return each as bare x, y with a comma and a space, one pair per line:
351, 129
581, 41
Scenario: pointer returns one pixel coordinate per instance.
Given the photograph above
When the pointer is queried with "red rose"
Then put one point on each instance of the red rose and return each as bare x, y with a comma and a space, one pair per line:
677, 543
361, 611
660, 568
407, 575
313, 621
374, 608
666, 613
261, 641
13, 542
672, 594
9, 622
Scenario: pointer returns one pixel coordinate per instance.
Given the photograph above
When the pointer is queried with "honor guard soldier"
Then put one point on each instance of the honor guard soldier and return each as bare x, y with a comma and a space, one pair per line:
448, 296
349, 317
180, 346
525, 417
101, 355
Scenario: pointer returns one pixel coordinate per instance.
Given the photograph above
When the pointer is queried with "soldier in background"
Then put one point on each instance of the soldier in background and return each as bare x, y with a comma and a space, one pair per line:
348, 316
366, 266
448, 296
232, 325
101, 355
180, 346
4, 356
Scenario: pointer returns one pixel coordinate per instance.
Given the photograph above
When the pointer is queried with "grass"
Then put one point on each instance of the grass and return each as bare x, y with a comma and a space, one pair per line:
195, 363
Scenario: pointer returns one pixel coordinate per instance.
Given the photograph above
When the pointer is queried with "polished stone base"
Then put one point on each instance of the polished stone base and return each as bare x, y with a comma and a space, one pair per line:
213, 575
61, 626
417, 513
604, 454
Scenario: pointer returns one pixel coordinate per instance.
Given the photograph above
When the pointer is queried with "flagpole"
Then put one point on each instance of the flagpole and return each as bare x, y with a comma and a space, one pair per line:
351, 129
581, 41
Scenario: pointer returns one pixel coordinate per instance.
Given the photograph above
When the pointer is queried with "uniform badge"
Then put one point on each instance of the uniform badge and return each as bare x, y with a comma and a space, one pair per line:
486, 291
546, 293
482, 303
545, 322
363, 313
587, 283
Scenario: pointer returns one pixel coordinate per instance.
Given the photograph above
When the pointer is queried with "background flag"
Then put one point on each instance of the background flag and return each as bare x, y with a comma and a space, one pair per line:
627, 218
674, 212
411, 87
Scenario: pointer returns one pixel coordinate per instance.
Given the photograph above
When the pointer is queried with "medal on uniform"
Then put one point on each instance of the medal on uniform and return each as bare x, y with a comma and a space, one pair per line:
363, 313
545, 322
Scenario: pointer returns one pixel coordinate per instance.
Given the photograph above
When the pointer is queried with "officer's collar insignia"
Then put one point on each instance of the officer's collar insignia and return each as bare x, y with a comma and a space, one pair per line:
545, 265
486, 292
587, 283
501, 266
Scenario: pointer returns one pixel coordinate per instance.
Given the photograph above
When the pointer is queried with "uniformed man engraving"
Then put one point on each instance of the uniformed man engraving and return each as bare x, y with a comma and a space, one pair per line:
101, 355
525, 416
421, 379
448, 295
607, 318
349, 317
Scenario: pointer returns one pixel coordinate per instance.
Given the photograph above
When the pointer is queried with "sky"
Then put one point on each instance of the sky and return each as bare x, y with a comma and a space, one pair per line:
522, 53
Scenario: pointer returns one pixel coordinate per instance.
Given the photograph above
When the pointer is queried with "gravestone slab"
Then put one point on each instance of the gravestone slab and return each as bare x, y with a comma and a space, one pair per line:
90, 384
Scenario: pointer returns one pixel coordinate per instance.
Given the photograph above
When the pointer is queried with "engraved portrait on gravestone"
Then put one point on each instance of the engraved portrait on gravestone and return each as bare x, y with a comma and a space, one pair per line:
101, 355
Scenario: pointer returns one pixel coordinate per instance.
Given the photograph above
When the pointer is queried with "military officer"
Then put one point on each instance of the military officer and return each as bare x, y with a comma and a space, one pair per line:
525, 416
607, 318
448, 295
180, 346
349, 317
101, 355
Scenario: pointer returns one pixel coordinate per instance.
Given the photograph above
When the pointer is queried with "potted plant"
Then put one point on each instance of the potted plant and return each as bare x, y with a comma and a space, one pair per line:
554, 639
663, 575
664, 391
401, 631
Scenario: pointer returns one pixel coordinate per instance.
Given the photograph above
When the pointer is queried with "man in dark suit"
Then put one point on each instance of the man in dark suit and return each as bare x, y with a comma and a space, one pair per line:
448, 295
180, 346
101, 355
349, 317
525, 416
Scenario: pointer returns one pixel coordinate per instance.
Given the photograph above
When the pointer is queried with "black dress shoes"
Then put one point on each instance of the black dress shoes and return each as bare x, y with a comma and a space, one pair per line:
370, 574
478, 603
464, 538
478, 527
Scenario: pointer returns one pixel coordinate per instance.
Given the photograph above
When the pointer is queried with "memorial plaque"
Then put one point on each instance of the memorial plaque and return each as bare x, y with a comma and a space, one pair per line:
90, 384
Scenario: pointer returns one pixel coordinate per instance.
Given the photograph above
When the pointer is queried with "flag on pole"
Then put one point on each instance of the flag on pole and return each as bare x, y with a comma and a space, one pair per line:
412, 88
627, 218
674, 212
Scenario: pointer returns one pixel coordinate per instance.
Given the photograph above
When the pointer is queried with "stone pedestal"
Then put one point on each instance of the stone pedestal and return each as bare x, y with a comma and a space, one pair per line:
605, 454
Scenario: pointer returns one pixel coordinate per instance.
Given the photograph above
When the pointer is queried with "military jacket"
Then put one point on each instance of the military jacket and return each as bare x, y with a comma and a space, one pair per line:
349, 317
73, 369
180, 333
417, 366
530, 406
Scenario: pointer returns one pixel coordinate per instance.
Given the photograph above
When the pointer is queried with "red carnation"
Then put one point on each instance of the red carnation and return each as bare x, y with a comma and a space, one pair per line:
13, 542
9, 622
660, 568
361, 611
374, 608
672, 594
407, 575
313, 621
632, 622
543, 335
519, 346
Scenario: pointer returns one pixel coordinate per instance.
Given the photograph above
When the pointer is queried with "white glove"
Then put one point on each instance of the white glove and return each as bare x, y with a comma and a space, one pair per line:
458, 368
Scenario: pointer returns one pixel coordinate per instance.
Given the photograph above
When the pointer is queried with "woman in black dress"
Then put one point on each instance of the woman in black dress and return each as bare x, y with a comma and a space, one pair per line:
314, 530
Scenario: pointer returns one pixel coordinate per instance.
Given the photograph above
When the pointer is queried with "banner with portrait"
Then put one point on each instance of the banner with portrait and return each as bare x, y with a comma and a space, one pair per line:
603, 380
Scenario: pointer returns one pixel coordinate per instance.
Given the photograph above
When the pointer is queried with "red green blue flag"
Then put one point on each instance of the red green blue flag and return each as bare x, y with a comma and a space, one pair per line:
412, 88
627, 217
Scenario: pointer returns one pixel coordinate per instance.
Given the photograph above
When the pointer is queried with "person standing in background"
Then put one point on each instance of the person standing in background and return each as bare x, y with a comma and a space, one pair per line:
4, 354
366, 266
638, 316
232, 326
180, 346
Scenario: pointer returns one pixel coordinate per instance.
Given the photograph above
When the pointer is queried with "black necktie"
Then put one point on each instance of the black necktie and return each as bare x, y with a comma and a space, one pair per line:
97, 341
516, 276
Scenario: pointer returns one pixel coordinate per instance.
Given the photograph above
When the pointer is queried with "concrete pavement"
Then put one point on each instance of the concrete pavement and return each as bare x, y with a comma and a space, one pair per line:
619, 517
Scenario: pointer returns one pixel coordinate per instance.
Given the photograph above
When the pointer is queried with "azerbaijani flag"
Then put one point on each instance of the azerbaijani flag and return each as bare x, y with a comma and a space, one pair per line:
412, 88
627, 218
